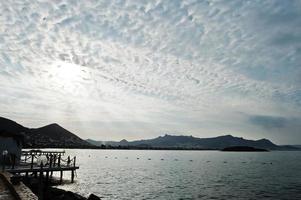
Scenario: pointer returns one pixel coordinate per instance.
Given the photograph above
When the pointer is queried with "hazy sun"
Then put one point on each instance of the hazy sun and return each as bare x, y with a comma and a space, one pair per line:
67, 71
65, 74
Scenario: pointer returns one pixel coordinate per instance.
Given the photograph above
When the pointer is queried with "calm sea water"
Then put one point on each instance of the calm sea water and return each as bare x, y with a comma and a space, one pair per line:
133, 174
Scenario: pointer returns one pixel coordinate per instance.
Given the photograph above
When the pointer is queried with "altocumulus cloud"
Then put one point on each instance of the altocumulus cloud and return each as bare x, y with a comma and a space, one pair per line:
195, 67
269, 122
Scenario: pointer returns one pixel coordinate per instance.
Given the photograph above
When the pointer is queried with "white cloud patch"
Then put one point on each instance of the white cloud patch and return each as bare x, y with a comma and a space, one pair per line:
183, 66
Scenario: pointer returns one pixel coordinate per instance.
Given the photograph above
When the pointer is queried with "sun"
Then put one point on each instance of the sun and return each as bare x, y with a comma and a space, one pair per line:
65, 74
68, 71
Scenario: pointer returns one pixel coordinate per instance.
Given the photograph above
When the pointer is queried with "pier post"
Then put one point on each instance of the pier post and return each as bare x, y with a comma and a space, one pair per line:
50, 160
31, 164
54, 160
47, 178
59, 161
51, 165
41, 182
72, 176
61, 177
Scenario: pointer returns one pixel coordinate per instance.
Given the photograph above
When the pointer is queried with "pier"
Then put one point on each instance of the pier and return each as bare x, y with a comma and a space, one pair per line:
43, 164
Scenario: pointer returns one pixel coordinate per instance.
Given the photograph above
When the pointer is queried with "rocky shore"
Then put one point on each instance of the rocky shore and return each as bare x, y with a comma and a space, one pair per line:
59, 194
49, 192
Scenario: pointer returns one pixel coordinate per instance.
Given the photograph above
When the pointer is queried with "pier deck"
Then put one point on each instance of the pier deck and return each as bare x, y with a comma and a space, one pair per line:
38, 169
39, 162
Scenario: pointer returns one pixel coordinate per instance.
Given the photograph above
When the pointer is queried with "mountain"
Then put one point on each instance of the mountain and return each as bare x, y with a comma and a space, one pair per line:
11, 126
190, 142
50, 136
291, 147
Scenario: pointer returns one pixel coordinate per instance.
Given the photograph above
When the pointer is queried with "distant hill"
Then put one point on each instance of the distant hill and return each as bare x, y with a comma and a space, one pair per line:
243, 149
50, 136
291, 147
190, 142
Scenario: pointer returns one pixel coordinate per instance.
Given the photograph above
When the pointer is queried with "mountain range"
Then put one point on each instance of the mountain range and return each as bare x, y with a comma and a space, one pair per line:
55, 136
190, 142
50, 136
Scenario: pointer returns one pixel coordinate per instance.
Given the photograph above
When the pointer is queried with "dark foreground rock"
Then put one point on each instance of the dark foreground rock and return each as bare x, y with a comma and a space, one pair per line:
52, 193
244, 149
93, 197
59, 194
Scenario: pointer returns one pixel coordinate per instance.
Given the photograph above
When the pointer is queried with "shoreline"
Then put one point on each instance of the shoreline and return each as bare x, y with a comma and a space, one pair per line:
49, 191
154, 149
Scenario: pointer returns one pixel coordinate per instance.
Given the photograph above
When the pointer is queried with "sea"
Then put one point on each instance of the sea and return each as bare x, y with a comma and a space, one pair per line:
156, 174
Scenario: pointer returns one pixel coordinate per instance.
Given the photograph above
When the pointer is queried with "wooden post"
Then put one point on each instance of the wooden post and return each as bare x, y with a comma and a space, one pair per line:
59, 161
74, 159
72, 176
47, 177
54, 160
41, 170
61, 177
41, 182
31, 164
50, 161
72, 172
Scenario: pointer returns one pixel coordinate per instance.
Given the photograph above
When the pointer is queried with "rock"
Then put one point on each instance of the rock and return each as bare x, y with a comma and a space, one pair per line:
15, 179
93, 197
59, 194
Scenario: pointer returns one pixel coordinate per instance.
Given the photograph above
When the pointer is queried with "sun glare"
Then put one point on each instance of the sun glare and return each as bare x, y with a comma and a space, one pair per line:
65, 74
67, 71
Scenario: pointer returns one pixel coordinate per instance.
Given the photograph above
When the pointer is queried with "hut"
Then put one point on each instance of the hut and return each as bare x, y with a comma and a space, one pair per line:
10, 147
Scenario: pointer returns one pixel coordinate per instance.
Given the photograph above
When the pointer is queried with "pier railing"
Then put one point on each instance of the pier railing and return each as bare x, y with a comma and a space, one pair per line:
37, 161
51, 159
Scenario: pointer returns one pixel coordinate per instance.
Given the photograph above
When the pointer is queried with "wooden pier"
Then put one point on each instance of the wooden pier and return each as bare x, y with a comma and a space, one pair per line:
43, 164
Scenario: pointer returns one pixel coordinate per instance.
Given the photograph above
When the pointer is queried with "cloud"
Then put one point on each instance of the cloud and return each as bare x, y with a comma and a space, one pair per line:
269, 122
126, 60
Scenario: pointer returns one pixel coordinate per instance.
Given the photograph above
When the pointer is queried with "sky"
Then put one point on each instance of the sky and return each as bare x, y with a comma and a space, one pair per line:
134, 69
